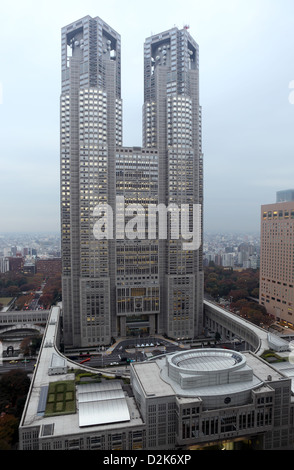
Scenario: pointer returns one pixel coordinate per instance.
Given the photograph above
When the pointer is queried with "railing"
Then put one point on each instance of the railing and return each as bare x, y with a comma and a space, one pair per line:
254, 335
23, 316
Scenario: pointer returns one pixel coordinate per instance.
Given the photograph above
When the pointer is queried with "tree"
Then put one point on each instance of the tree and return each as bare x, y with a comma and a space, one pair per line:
25, 346
238, 294
8, 430
30, 344
14, 384
12, 291
255, 293
217, 336
46, 300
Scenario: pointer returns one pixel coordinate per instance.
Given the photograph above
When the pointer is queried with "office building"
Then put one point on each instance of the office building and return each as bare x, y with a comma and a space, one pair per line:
49, 267
4, 264
276, 260
285, 195
213, 397
172, 125
96, 415
91, 113
190, 399
120, 285
137, 278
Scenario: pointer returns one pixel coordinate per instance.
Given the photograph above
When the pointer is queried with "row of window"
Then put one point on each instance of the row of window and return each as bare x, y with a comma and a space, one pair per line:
278, 214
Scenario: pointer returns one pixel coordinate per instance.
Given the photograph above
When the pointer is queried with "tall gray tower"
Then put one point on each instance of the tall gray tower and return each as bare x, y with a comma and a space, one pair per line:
91, 128
172, 124
121, 286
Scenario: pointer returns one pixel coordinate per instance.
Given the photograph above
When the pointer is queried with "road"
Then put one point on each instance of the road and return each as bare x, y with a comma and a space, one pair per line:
7, 365
116, 357
131, 349
139, 350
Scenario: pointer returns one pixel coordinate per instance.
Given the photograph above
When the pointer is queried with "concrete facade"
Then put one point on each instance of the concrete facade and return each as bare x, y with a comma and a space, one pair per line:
164, 281
218, 405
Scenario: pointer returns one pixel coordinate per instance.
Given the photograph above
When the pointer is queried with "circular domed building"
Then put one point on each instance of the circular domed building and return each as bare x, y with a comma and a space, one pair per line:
200, 397
219, 376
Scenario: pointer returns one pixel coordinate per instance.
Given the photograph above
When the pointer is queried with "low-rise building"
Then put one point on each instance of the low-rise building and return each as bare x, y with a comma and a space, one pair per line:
185, 400
103, 414
49, 267
198, 398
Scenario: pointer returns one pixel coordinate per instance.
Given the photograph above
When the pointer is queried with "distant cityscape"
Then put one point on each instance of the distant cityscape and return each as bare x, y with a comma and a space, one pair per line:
234, 250
20, 252
30, 244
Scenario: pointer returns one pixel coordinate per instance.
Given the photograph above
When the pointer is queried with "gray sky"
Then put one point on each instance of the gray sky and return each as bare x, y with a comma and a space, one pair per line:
246, 66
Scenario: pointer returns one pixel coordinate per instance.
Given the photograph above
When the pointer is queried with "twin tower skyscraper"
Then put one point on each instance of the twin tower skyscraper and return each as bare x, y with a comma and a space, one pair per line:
116, 282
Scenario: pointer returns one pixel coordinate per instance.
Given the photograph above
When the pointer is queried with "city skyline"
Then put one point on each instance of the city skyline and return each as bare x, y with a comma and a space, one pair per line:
247, 111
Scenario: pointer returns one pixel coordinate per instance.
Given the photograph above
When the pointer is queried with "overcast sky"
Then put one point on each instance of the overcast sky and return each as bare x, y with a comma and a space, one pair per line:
246, 66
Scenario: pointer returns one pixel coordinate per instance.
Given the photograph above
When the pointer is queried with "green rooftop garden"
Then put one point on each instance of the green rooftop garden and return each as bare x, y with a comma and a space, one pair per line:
61, 398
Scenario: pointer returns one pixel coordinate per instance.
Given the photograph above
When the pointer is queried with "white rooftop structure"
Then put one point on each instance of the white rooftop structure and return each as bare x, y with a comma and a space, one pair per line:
212, 374
207, 367
58, 365
277, 343
102, 403
207, 360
